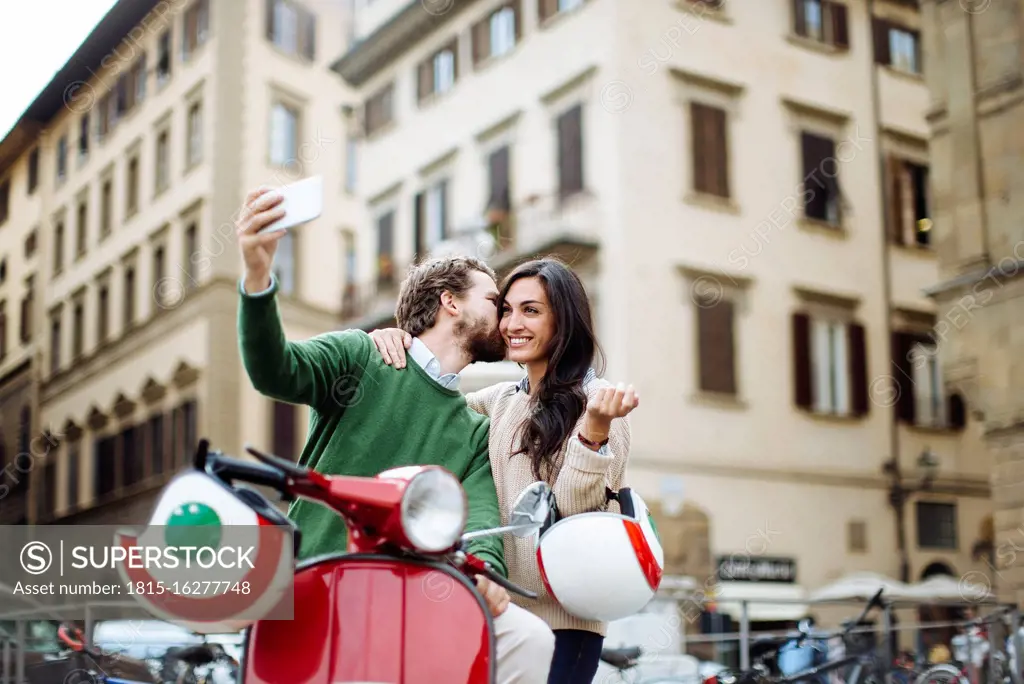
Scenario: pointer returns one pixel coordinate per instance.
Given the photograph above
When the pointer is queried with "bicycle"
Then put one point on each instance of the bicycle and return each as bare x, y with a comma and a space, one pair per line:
957, 671
627, 660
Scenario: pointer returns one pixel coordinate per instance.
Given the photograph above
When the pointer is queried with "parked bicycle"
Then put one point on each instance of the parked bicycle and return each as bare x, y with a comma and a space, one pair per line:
973, 649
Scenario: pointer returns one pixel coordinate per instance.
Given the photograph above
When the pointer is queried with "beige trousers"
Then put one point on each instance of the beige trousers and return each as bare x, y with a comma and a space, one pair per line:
525, 646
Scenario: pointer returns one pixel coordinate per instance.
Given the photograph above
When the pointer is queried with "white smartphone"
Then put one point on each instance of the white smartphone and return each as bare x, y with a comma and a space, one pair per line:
303, 202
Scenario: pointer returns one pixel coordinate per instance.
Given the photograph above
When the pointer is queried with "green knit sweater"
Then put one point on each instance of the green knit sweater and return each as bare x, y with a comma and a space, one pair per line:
366, 417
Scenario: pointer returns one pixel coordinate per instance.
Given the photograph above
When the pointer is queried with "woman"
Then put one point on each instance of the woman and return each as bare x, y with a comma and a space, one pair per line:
561, 424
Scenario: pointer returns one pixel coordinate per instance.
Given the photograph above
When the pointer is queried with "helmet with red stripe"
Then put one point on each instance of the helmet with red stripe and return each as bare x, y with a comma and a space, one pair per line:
602, 565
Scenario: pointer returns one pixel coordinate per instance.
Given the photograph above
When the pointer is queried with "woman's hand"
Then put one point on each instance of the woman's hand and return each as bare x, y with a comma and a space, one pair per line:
606, 405
392, 343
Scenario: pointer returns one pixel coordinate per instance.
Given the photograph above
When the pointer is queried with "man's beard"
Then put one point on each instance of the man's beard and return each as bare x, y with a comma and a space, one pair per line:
480, 344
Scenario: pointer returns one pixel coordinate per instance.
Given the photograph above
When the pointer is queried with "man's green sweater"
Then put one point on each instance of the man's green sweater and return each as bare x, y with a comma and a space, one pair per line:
366, 417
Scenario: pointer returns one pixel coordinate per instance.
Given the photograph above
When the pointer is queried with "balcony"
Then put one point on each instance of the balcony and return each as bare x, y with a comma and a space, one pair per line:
540, 225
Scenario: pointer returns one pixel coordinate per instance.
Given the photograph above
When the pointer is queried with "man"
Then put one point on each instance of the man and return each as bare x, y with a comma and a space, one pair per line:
367, 417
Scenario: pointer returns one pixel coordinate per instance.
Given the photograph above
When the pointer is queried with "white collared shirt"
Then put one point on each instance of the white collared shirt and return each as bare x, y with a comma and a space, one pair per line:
428, 362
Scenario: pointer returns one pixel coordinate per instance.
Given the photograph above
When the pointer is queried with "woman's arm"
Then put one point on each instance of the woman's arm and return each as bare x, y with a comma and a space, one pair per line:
482, 401
588, 470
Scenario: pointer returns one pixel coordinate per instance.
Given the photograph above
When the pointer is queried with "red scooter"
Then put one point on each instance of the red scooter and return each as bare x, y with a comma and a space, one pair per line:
400, 607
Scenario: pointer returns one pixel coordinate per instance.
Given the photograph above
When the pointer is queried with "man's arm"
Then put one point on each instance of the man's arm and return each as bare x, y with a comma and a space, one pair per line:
484, 513
307, 372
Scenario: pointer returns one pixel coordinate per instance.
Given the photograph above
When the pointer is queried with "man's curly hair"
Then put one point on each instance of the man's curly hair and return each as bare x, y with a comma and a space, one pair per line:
419, 298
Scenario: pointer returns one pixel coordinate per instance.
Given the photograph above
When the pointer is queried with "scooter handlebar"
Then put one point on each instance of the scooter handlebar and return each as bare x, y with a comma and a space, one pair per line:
490, 574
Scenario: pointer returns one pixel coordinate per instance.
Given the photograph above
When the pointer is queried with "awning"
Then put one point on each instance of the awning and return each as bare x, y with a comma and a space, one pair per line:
766, 601
859, 585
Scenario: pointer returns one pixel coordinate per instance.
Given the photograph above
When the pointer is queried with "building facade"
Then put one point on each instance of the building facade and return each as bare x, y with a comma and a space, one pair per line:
119, 187
976, 108
745, 189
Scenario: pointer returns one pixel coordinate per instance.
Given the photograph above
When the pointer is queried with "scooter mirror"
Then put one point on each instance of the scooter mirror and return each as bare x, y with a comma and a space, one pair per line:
531, 509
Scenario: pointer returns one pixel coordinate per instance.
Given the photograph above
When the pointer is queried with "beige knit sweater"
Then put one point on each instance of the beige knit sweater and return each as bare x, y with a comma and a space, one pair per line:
580, 479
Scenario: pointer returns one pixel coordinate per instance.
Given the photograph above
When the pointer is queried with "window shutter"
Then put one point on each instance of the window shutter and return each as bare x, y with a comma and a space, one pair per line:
905, 406
499, 192
918, 54
417, 222
880, 31
716, 347
840, 33
802, 360
426, 79
698, 130
799, 18
547, 9
858, 370
570, 153
894, 167
481, 40
717, 150
518, 9
284, 430
310, 46
956, 410
815, 199
270, 19
454, 47
444, 208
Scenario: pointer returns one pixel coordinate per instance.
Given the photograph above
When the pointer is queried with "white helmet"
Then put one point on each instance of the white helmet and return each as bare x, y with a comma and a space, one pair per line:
603, 566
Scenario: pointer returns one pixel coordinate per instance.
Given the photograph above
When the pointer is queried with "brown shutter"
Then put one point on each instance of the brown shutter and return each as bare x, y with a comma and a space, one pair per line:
499, 190
840, 32
802, 360
716, 347
481, 40
570, 152
799, 18
454, 47
426, 79
284, 430
419, 236
918, 54
880, 32
270, 19
517, 7
717, 150
905, 405
894, 179
858, 370
698, 129
547, 9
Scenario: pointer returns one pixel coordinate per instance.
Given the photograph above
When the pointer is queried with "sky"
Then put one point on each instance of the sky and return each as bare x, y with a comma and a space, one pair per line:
36, 39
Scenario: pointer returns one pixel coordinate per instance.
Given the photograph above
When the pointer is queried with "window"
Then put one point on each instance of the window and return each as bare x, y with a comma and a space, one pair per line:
351, 164
129, 296
62, 158
159, 273
549, 8
437, 74
830, 362
897, 46
196, 28
33, 170
379, 109
936, 525
132, 193
163, 161
105, 478
5, 200
55, 341
921, 397
191, 255
909, 202
191, 427
194, 153
431, 217
106, 207
292, 28
857, 536
284, 423
716, 346
163, 58
82, 230
77, 328
27, 304
497, 34
284, 263
822, 20
102, 312
351, 264
155, 434
31, 242
499, 201
284, 134
83, 137
822, 198
74, 468
132, 455
570, 152
137, 78
3, 329
385, 250
58, 246
710, 150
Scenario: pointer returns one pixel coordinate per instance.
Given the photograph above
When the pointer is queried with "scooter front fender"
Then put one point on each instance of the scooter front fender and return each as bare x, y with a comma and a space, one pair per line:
373, 618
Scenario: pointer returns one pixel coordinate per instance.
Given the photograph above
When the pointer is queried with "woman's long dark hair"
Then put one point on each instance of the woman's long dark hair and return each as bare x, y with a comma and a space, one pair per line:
560, 400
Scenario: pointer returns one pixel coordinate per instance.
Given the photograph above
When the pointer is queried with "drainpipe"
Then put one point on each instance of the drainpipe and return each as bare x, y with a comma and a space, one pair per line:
883, 192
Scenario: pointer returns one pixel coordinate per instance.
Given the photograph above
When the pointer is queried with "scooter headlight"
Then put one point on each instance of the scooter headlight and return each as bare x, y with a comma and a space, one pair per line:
434, 511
